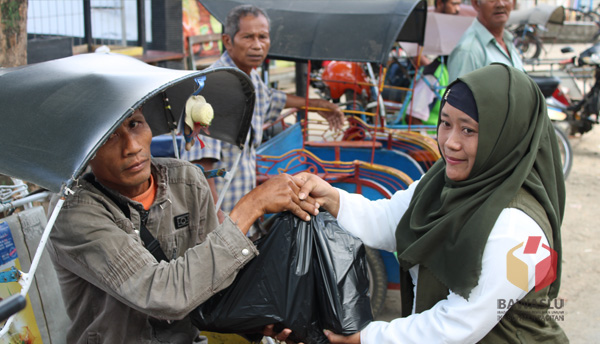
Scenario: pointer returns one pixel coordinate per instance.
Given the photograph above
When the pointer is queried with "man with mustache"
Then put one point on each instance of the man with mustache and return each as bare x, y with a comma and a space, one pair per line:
137, 246
485, 41
247, 41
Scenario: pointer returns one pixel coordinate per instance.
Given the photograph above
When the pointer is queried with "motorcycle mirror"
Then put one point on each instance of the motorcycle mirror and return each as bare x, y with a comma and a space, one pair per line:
566, 50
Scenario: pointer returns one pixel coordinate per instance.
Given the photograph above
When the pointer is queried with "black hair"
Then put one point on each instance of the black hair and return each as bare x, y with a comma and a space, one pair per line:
232, 23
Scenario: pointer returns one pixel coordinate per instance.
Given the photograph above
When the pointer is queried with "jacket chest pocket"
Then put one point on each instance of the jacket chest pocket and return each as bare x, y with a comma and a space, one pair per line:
186, 233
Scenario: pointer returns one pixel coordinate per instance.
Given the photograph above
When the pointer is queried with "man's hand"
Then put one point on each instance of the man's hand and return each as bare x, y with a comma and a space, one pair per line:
335, 117
281, 336
328, 110
312, 186
279, 193
339, 339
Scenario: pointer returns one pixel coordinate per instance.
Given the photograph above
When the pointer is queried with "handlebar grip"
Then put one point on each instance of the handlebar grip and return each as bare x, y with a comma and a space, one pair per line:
11, 305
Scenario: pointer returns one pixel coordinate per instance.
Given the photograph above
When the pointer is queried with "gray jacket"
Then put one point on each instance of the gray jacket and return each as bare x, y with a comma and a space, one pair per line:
114, 289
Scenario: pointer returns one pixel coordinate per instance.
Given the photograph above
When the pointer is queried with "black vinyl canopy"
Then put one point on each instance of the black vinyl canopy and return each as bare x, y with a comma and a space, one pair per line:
346, 30
54, 115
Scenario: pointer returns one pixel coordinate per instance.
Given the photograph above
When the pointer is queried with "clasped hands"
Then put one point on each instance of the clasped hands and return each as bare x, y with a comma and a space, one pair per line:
302, 194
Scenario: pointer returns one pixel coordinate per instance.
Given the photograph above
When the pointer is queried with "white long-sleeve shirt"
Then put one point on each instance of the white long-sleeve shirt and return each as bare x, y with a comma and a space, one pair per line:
454, 319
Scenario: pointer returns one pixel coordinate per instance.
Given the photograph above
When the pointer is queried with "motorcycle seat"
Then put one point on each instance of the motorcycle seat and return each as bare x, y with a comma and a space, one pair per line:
547, 84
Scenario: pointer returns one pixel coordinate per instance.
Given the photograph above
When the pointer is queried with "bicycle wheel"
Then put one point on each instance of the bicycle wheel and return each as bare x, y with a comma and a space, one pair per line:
529, 46
377, 280
589, 17
566, 153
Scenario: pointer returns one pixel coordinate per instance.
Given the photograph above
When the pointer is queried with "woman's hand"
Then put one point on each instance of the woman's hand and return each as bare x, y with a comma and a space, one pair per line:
339, 339
321, 191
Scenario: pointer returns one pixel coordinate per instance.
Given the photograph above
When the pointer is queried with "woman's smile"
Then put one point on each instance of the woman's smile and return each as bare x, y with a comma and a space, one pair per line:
458, 137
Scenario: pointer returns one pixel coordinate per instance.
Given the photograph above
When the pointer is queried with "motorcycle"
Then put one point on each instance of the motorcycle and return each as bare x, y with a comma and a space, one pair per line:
549, 87
573, 116
582, 114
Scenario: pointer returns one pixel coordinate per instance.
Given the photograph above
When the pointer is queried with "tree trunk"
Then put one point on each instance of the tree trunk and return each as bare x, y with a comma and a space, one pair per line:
13, 33
13, 42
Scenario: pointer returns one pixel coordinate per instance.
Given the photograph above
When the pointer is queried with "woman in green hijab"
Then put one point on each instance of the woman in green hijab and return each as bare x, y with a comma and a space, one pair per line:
478, 236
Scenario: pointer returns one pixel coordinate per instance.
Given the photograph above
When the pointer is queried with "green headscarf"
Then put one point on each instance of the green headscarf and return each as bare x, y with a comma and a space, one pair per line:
447, 224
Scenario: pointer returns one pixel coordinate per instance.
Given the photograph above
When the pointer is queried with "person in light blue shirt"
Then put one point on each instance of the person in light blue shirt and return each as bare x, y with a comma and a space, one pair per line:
485, 41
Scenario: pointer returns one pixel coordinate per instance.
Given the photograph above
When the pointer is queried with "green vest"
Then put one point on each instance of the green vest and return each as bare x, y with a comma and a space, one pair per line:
525, 322
441, 74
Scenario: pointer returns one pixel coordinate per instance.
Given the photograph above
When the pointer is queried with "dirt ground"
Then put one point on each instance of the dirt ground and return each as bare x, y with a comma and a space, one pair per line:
581, 242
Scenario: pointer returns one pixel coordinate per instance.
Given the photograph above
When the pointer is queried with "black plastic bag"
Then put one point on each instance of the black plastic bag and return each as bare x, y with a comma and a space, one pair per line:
341, 276
309, 276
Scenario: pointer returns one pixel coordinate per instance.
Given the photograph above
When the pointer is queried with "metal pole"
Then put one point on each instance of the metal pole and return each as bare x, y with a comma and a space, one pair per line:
123, 24
25, 200
302, 76
87, 24
141, 24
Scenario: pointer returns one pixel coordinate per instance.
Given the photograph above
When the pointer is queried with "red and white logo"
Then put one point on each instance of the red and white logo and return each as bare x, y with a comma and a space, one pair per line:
517, 271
